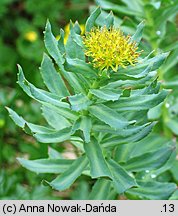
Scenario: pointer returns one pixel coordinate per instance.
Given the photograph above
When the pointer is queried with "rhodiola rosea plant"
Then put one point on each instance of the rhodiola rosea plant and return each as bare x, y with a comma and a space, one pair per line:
99, 93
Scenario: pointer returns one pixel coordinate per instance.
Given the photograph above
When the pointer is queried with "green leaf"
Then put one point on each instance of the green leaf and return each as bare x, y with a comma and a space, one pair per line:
54, 154
131, 130
61, 42
109, 21
81, 191
80, 67
72, 78
18, 120
164, 15
92, 18
77, 142
133, 84
52, 79
102, 17
174, 195
54, 137
24, 84
156, 62
174, 171
107, 143
137, 5
172, 125
66, 179
46, 97
66, 113
54, 102
46, 165
100, 190
37, 128
84, 124
128, 76
155, 112
106, 94
151, 191
107, 5
52, 45
171, 61
121, 179
170, 84
74, 45
79, 102
138, 34
152, 160
167, 166
109, 116
151, 143
98, 165
142, 102
54, 119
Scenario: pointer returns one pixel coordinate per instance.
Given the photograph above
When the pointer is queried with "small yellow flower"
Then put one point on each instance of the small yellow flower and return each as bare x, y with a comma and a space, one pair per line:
58, 37
2, 123
67, 31
31, 36
110, 48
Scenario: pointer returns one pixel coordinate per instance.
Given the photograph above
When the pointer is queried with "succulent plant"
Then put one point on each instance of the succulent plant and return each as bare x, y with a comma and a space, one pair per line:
100, 106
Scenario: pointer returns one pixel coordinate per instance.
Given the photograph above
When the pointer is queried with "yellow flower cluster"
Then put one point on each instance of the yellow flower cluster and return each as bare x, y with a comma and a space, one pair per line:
110, 48
31, 36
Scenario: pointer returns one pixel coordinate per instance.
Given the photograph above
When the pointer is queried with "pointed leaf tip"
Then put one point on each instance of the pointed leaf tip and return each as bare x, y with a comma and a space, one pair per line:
92, 18
138, 34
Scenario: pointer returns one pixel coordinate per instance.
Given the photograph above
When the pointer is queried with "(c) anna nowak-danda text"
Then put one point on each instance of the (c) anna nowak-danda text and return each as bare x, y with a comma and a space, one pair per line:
67, 208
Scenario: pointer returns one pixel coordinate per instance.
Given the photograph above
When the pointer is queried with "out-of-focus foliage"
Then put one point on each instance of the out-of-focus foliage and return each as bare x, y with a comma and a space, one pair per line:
22, 23
10, 188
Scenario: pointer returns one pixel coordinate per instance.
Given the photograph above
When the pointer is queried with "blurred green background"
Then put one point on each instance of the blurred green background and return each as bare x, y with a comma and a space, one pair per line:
21, 42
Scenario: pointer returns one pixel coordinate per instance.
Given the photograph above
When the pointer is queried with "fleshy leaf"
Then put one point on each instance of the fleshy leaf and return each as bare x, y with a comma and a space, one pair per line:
52, 79
100, 190
142, 102
121, 179
46, 165
84, 124
80, 67
109, 116
106, 94
134, 138
151, 191
98, 165
79, 102
54, 137
109, 21
138, 34
66, 179
92, 18
52, 45
54, 119
152, 160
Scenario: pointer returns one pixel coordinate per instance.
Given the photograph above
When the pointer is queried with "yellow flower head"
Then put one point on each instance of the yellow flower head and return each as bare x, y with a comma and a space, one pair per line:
31, 36
110, 48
